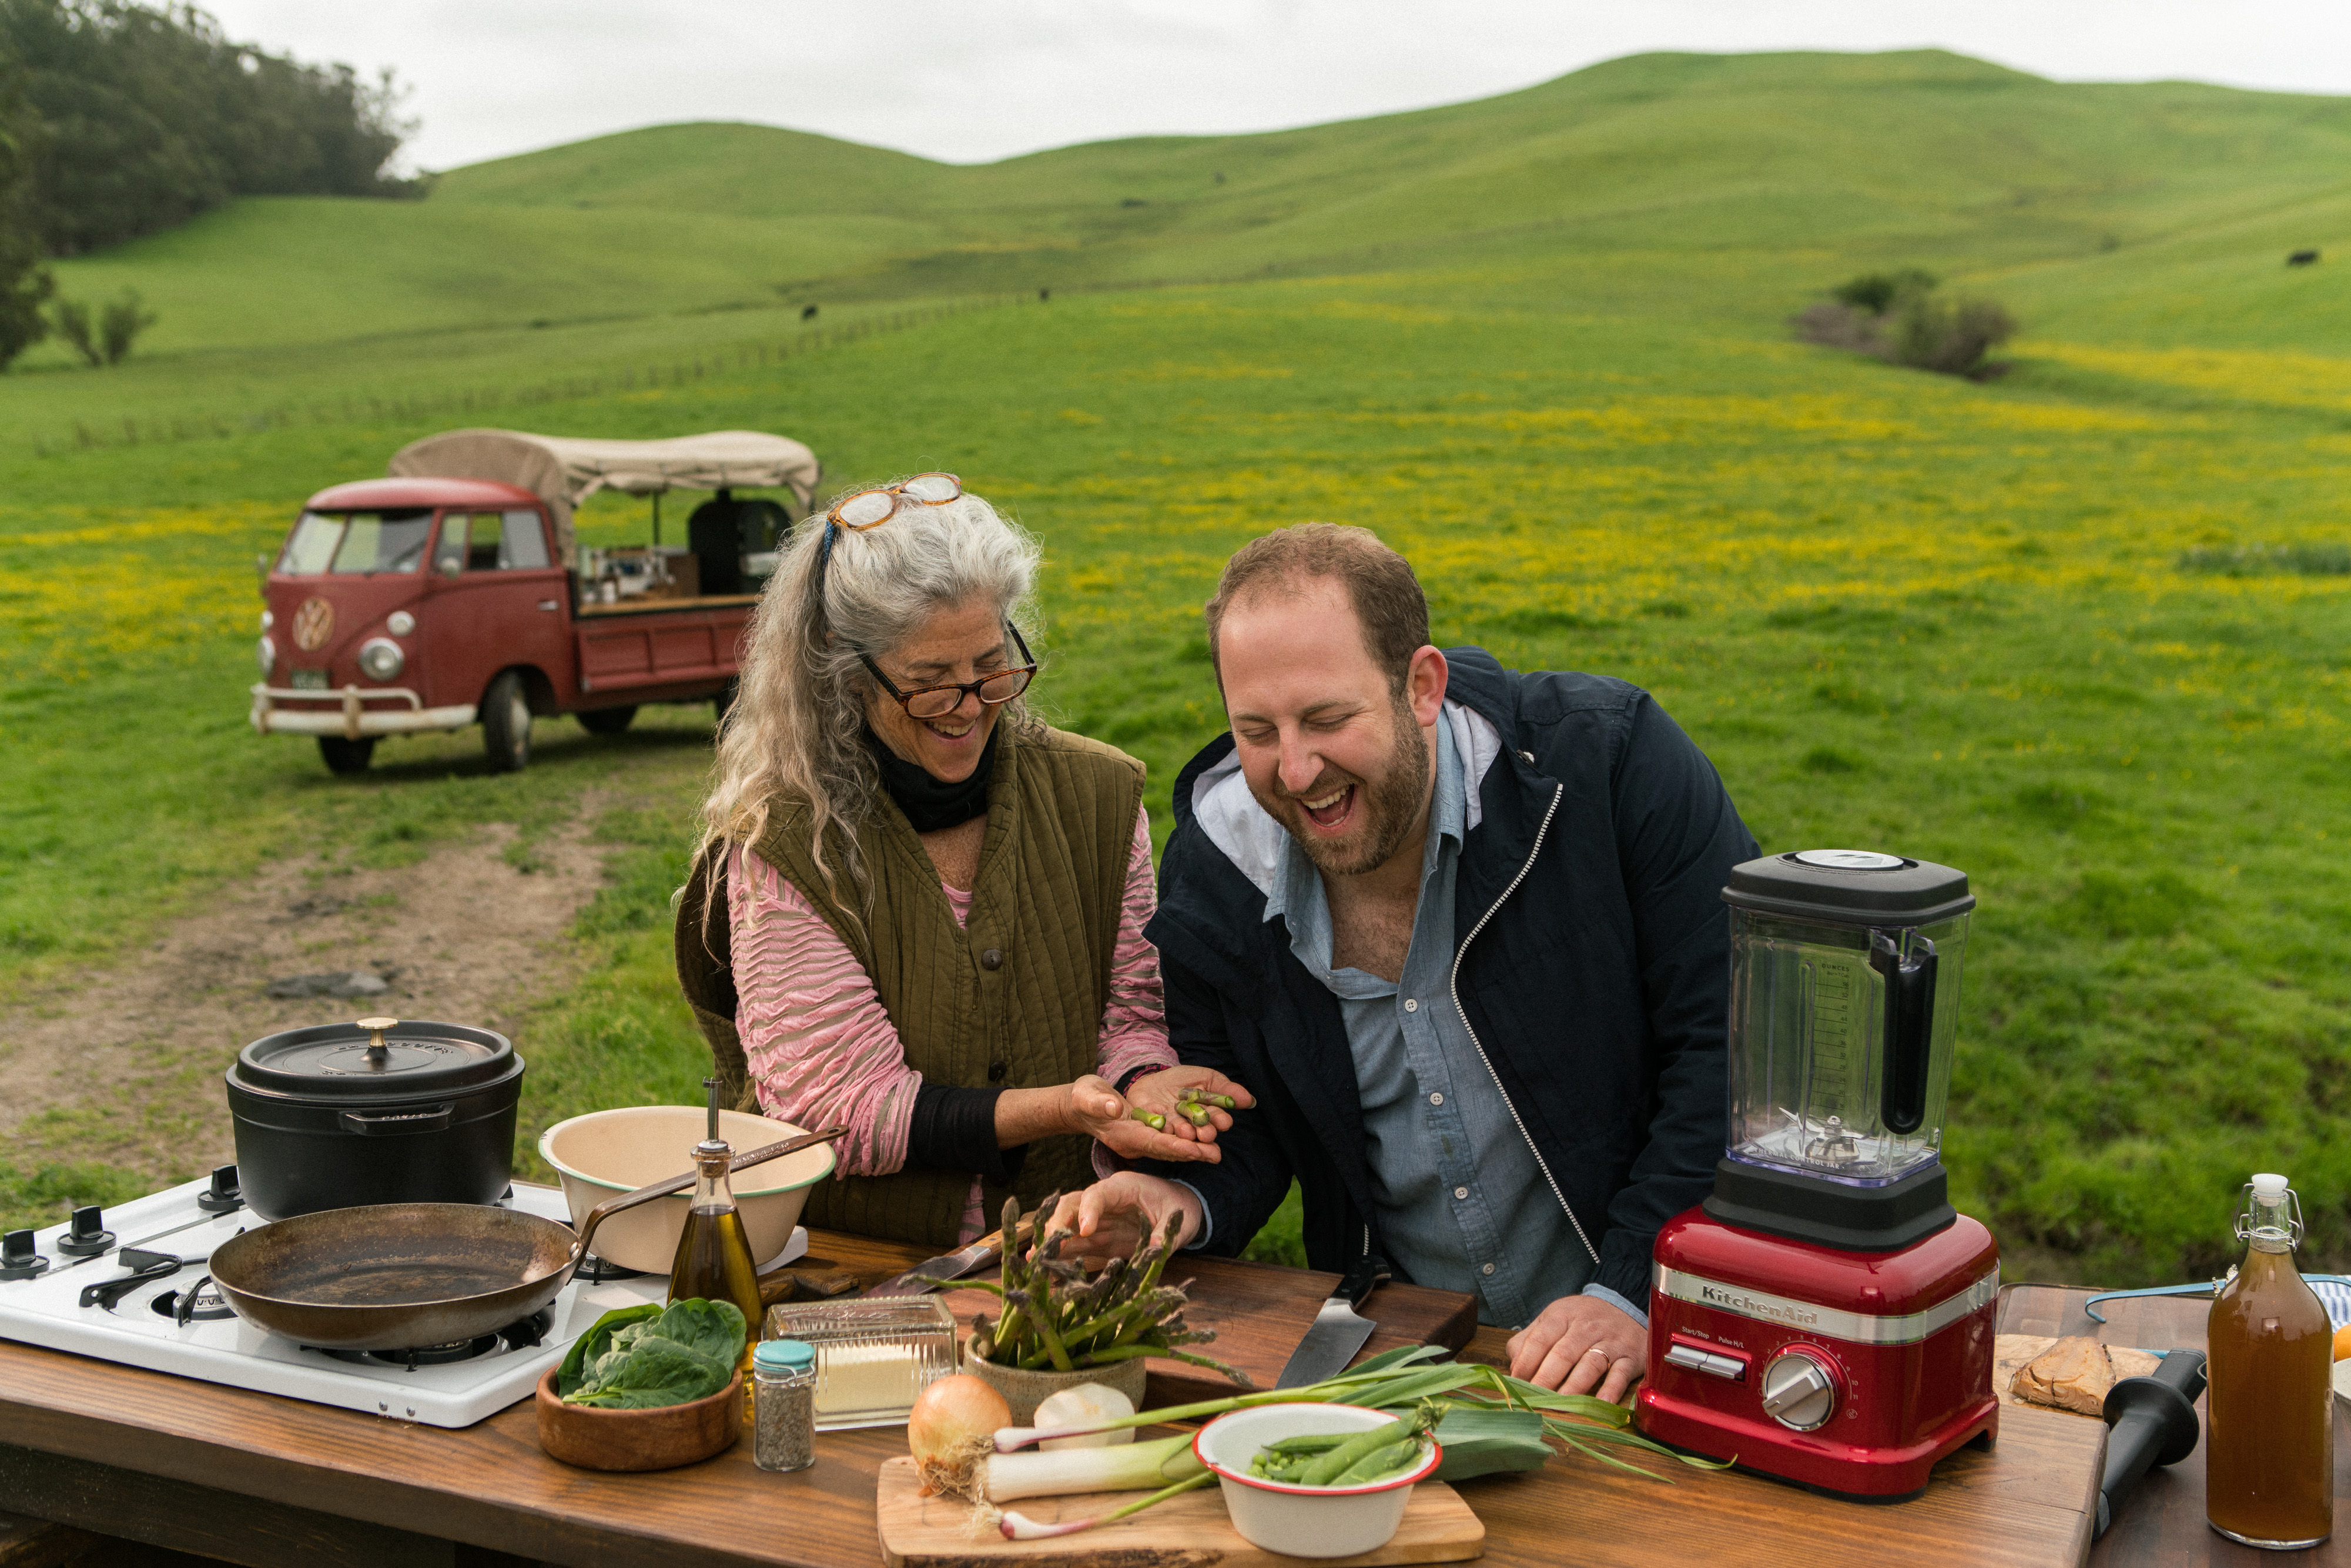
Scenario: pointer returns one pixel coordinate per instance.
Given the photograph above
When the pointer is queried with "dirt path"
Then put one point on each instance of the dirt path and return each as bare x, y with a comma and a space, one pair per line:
125, 1066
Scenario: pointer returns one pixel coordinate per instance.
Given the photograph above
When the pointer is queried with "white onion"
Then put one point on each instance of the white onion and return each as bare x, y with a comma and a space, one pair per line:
1087, 1405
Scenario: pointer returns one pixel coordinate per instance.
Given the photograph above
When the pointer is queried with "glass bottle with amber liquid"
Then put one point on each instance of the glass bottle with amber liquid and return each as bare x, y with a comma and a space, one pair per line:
2270, 1441
714, 1252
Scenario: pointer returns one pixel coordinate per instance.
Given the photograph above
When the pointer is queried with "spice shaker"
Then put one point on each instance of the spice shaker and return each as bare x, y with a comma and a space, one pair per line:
783, 1405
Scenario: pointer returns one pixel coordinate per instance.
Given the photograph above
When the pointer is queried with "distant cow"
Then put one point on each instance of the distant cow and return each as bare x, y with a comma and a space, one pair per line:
808, 312
2302, 258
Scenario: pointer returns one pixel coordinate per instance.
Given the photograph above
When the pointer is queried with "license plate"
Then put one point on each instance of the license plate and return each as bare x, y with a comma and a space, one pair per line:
309, 680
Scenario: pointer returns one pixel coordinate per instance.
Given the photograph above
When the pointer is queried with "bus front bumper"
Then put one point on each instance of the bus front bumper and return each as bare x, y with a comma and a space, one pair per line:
350, 717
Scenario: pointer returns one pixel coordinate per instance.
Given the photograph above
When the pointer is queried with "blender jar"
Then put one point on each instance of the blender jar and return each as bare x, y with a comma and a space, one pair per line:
1844, 1000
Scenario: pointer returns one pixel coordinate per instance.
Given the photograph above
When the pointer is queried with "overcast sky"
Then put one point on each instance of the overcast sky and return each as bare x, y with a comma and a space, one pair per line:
972, 81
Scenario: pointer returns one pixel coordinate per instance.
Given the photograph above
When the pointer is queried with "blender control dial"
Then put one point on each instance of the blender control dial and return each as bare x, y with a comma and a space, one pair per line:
1798, 1393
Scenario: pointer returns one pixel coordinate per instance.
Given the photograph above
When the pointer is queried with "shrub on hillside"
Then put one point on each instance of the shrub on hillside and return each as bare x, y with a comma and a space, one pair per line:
108, 340
1899, 318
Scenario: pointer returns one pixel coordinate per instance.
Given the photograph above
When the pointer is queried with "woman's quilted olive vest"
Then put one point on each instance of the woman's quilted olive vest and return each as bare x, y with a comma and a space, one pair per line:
1013, 1000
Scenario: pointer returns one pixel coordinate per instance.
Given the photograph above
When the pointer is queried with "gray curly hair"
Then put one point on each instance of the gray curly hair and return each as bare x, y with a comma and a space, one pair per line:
795, 730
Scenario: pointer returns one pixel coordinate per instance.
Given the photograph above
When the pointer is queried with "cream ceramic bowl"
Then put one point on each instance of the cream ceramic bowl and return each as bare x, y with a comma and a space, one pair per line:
1305, 1522
607, 1152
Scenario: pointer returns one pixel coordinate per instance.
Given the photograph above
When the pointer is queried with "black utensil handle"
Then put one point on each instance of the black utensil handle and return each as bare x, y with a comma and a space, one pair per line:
2153, 1422
392, 1123
1369, 1272
1910, 1029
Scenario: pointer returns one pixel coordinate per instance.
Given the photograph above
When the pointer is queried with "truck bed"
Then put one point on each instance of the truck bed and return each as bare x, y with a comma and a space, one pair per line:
650, 643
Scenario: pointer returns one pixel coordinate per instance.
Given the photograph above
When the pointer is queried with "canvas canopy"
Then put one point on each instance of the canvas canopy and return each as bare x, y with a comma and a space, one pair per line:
566, 470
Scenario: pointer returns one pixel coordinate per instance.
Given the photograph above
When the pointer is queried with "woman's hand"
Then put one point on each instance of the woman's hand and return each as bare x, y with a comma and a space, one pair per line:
1096, 1110
1158, 1092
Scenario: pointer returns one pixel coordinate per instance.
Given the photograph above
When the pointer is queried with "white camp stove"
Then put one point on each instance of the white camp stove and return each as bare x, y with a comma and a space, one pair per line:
447, 1386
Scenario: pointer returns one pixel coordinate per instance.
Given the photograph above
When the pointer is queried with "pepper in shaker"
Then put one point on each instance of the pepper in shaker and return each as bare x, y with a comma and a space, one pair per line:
783, 1398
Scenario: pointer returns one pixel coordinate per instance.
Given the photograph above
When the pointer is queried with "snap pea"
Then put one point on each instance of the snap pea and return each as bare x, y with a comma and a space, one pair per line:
1328, 1466
1380, 1463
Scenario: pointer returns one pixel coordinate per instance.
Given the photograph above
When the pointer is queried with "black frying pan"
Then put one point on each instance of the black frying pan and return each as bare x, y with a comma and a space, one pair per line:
393, 1276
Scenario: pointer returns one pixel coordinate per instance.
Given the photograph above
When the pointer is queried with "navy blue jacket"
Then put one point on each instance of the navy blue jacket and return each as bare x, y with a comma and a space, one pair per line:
1592, 966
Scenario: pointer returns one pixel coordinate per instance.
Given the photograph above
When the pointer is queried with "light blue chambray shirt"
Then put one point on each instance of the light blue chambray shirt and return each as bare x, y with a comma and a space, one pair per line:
1461, 1204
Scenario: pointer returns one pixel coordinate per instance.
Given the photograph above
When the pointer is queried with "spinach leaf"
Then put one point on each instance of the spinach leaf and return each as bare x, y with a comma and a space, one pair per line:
592, 1345
656, 1372
715, 1328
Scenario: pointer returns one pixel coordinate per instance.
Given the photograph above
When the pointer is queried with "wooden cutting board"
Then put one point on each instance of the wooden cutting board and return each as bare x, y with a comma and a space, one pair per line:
1260, 1312
1188, 1532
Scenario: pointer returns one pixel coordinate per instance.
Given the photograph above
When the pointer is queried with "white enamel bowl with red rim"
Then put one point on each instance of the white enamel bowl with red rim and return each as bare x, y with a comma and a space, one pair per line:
1305, 1522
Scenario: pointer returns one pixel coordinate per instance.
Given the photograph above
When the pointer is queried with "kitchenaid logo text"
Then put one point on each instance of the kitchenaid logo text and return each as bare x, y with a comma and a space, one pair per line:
1738, 1301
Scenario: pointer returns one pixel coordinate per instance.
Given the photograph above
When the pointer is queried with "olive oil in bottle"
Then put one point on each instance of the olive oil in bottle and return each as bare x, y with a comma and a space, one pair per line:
714, 1252
2270, 1442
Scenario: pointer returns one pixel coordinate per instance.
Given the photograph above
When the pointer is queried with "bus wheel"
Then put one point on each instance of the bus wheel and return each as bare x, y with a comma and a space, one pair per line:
606, 720
346, 755
505, 724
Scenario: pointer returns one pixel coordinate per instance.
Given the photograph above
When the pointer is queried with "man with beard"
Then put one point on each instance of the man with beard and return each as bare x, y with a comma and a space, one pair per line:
1460, 930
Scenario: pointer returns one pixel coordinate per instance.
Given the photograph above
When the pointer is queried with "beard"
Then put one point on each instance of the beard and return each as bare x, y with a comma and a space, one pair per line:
1389, 802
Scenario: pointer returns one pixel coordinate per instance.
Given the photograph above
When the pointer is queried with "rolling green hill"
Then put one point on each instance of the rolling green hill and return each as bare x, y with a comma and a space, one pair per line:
1741, 175
1540, 342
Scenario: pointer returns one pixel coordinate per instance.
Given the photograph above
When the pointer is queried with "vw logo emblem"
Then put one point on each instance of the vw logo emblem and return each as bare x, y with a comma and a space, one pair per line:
313, 624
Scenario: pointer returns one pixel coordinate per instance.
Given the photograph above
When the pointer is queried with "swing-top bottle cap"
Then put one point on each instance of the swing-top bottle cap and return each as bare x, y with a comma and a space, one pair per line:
2269, 1185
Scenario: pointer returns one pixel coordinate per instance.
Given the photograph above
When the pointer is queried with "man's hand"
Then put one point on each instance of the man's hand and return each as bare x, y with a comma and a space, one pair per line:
1111, 1217
1156, 1091
1581, 1344
1096, 1110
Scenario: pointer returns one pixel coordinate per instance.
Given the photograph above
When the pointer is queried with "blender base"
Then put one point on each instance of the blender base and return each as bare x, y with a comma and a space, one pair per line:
1848, 1372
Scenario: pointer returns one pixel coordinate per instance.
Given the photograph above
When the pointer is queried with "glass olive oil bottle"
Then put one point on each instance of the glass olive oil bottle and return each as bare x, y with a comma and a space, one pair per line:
2270, 1444
714, 1252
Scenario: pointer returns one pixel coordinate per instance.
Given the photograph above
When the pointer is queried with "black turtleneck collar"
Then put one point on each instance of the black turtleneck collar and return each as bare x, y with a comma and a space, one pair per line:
931, 803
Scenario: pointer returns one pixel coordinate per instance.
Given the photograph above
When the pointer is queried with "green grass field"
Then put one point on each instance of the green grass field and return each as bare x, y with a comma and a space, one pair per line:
1538, 344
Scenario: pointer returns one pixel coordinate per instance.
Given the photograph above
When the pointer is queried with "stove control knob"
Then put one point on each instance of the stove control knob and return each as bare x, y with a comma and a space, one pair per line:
17, 1258
1798, 1393
88, 1235
223, 1197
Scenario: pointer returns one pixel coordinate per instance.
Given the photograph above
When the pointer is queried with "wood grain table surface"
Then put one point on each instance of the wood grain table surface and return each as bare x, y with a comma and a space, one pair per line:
2161, 1525
252, 1478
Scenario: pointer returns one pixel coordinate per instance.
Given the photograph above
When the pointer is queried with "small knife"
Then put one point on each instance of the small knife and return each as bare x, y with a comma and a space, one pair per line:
1339, 1330
953, 1266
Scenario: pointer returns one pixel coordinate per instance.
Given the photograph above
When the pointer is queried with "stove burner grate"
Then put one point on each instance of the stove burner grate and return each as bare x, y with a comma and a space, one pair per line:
210, 1307
597, 1270
529, 1330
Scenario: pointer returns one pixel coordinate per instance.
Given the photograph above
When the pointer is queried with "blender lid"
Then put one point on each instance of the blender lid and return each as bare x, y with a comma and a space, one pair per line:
1851, 887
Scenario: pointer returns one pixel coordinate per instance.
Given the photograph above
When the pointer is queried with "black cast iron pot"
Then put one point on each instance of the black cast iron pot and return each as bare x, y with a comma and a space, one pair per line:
381, 1111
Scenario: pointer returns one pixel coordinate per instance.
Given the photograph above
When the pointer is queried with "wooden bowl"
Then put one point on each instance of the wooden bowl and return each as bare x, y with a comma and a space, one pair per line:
657, 1439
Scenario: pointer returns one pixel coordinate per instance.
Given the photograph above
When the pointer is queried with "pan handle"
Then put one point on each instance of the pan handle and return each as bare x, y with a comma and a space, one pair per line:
612, 1206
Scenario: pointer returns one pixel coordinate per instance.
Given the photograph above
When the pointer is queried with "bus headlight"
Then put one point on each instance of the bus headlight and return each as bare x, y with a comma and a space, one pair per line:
268, 654
380, 658
400, 622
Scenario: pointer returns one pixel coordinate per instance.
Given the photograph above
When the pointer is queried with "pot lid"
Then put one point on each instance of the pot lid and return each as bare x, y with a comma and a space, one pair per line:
375, 1057
1851, 887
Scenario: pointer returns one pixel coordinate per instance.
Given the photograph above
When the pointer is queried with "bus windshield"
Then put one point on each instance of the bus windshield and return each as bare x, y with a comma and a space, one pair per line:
356, 543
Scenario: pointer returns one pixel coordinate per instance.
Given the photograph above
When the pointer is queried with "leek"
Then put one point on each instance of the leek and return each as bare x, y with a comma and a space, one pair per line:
1004, 1477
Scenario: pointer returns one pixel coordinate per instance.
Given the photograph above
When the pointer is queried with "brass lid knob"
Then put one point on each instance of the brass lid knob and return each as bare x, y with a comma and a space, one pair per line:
375, 1028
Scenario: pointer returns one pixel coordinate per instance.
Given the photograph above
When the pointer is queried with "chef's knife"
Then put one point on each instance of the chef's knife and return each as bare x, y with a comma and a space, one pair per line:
953, 1266
1339, 1330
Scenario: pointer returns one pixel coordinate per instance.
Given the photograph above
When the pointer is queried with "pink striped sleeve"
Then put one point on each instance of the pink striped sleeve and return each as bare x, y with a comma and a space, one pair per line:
821, 1047
1134, 1018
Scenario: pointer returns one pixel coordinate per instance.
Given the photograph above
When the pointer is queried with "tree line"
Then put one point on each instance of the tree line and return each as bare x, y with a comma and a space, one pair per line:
117, 120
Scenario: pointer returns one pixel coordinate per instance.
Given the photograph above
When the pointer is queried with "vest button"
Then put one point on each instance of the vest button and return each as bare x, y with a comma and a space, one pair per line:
996, 1070
991, 959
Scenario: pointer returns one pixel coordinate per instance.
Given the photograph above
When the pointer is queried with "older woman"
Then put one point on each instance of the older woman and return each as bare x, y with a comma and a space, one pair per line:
934, 903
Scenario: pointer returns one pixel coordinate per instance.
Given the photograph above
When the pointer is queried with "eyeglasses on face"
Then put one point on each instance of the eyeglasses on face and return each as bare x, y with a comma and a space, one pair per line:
993, 689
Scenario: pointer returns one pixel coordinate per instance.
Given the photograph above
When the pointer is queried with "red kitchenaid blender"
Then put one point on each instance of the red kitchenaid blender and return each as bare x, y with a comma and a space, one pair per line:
1826, 1316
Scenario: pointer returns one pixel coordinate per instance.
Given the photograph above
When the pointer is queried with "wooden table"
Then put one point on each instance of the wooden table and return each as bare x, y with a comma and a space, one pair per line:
255, 1479
2162, 1524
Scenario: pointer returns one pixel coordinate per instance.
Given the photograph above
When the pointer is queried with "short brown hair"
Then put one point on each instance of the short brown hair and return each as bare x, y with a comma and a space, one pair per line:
1380, 584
